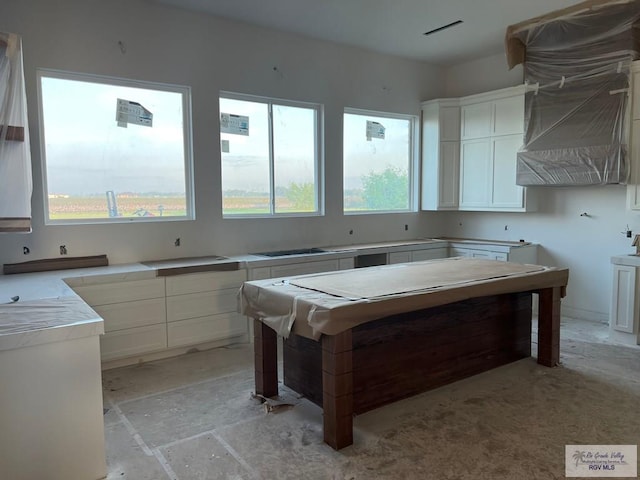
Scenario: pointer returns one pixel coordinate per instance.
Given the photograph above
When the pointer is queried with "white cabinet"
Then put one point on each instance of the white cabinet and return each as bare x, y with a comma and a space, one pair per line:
201, 307
625, 302
440, 154
475, 173
492, 125
417, 255
475, 170
133, 313
527, 253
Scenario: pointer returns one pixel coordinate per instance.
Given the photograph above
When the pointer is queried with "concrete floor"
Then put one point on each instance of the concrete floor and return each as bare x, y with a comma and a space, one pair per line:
193, 417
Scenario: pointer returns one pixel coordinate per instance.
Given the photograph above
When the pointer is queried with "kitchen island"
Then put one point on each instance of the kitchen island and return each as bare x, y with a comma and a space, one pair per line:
364, 338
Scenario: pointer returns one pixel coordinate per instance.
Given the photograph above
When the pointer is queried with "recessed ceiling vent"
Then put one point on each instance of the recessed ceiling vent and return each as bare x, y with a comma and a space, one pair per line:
444, 27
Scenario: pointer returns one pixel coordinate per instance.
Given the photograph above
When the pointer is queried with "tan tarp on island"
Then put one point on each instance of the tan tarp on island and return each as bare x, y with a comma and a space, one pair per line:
333, 302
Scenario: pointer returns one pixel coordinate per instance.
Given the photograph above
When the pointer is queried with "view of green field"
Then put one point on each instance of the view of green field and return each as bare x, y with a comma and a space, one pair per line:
76, 207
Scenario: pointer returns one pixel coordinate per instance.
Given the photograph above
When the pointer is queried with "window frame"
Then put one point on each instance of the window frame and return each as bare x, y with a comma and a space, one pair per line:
414, 157
318, 155
183, 90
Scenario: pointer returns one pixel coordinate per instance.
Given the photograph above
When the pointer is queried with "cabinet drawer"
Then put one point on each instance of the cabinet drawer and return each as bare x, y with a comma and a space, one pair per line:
203, 282
118, 316
206, 329
133, 341
429, 254
106, 293
304, 268
201, 304
399, 257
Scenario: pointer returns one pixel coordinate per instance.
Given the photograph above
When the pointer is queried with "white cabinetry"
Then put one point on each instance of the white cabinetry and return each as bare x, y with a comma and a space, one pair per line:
301, 268
469, 152
527, 253
418, 255
625, 304
492, 125
440, 154
134, 316
201, 307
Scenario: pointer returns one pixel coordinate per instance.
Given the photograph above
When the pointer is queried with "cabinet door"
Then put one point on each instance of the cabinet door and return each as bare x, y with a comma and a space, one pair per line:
475, 173
449, 181
106, 293
428, 254
399, 257
204, 282
449, 124
119, 316
205, 329
201, 304
475, 120
508, 115
624, 305
504, 191
133, 341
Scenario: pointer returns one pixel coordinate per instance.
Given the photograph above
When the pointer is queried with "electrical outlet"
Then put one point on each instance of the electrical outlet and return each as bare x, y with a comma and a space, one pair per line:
63, 249
26, 251
406, 227
177, 242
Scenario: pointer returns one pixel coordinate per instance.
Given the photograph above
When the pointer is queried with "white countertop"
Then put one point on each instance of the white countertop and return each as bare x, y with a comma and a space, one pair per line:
629, 259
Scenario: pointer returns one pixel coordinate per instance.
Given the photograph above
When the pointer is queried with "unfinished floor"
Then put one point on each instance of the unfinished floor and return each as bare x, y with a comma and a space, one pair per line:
193, 417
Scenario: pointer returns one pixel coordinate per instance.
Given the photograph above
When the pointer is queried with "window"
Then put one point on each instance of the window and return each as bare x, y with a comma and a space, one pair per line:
270, 156
114, 150
379, 155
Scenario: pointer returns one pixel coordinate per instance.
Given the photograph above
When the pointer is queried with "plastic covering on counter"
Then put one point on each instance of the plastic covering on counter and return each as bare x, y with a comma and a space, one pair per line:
577, 67
15, 154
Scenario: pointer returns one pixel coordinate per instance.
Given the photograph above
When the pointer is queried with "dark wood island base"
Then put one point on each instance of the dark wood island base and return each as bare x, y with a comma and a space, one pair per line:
385, 360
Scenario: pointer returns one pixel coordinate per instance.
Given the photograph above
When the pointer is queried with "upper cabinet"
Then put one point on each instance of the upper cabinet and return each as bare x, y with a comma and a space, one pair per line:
440, 154
477, 169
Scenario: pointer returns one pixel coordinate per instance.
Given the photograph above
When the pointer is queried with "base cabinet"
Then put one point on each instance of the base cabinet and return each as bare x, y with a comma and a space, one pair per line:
625, 305
134, 316
201, 307
516, 253
147, 318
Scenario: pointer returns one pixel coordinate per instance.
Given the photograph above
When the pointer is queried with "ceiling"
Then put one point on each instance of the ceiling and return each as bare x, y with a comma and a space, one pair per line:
394, 27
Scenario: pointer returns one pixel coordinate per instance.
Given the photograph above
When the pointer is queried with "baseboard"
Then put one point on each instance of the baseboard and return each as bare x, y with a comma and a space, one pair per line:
582, 314
173, 352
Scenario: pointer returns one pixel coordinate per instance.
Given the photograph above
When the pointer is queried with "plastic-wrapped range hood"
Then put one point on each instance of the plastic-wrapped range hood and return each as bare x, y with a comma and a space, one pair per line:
577, 63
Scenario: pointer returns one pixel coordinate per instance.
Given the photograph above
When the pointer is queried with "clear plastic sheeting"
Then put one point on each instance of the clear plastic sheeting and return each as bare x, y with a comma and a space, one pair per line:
15, 154
577, 66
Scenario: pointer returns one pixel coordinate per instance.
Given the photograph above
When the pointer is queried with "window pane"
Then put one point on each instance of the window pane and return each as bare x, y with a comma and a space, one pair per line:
376, 170
99, 168
245, 160
294, 146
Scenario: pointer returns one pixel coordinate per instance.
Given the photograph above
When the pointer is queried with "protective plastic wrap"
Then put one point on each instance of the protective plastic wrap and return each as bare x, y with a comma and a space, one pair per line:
577, 67
15, 153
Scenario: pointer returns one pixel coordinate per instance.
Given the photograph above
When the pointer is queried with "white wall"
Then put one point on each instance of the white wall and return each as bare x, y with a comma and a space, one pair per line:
583, 244
164, 44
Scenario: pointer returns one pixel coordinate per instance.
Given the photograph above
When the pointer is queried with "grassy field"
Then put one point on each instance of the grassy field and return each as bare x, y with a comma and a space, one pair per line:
96, 207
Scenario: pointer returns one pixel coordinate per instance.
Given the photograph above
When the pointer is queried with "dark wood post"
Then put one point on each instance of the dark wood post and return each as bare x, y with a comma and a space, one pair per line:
265, 350
337, 389
549, 326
